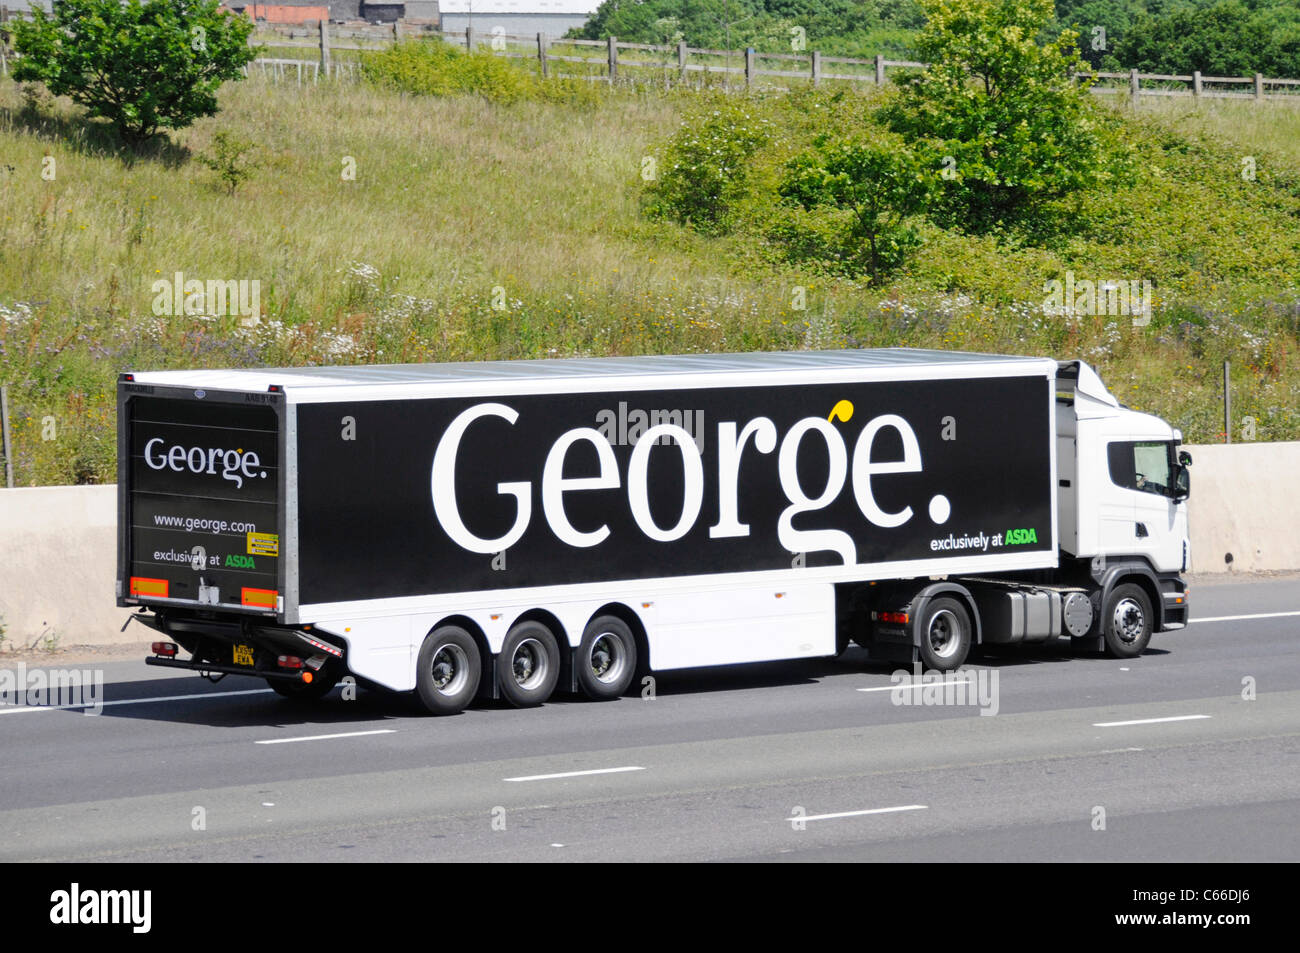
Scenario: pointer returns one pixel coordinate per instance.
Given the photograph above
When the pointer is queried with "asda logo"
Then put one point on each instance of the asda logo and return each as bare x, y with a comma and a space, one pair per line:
1018, 537
238, 561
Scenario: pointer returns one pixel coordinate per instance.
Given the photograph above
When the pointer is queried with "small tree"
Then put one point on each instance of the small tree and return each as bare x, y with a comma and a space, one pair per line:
229, 159
1006, 120
145, 66
879, 181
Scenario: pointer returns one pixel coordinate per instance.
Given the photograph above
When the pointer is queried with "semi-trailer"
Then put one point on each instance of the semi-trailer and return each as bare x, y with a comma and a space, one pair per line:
509, 529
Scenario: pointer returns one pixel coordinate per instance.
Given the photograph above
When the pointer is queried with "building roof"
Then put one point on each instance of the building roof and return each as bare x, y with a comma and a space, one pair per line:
489, 7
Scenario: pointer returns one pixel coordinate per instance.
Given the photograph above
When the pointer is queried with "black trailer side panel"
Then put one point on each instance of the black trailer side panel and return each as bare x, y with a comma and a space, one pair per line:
368, 526
202, 482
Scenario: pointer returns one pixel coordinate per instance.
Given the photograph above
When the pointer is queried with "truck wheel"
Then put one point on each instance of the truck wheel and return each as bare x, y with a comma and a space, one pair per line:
447, 672
529, 664
1126, 621
606, 658
945, 634
298, 690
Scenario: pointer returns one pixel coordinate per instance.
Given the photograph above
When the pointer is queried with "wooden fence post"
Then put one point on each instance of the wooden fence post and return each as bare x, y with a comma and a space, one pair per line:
541, 54
1196, 84
816, 67
749, 66
1134, 89
397, 30
8, 447
325, 46
880, 69
1259, 87
469, 39
681, 61
613, 59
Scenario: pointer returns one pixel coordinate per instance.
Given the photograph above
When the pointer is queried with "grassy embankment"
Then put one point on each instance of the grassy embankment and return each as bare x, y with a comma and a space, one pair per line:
459, 205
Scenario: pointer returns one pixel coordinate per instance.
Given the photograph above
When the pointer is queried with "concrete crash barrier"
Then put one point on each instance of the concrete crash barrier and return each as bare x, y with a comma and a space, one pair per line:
1243, 511
58, 557
58, 545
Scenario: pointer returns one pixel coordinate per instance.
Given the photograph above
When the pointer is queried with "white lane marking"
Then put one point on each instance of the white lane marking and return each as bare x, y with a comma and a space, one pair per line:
137, 701
874, 810
912, 687
1257, 615
343, 734
1147, 721
574, 774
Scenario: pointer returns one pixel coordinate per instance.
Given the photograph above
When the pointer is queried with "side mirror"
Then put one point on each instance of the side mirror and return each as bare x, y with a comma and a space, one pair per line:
1184, 458
1182, 484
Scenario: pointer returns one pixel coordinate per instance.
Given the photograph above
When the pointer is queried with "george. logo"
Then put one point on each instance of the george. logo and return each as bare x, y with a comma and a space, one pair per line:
236, 465
736, 442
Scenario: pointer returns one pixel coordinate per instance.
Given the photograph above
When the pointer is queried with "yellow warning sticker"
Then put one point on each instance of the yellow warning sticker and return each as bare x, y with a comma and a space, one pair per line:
263, 544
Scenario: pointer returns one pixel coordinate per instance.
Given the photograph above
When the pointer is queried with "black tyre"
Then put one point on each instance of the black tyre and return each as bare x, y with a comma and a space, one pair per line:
945, 631
448, 670
322, 684
529, 665
1127, 620
606, 662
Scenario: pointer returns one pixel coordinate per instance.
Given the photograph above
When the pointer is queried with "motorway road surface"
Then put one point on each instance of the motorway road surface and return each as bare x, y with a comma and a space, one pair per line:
788, 761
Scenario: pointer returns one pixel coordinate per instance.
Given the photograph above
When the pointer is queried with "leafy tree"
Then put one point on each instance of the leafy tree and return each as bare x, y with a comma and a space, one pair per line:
999, 111
1226, 39
144, 65
878, 180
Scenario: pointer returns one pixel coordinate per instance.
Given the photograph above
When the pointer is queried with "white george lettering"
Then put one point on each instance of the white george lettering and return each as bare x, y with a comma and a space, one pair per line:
733, 440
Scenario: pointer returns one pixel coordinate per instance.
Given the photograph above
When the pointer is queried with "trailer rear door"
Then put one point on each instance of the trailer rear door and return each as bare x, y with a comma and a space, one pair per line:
200, 491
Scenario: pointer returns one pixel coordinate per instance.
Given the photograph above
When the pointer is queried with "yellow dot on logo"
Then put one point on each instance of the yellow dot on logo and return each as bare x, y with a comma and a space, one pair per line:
842, 411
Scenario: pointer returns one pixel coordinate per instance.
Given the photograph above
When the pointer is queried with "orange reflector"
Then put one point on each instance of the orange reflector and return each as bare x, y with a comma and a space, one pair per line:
306, 677
141, 586
258, 597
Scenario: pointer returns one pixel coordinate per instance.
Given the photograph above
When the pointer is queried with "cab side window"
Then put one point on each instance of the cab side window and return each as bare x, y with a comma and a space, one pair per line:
1140, 465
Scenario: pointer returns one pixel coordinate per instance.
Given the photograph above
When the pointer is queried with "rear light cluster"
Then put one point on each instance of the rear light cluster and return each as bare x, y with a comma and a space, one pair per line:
897, 618
306, 666
165, 648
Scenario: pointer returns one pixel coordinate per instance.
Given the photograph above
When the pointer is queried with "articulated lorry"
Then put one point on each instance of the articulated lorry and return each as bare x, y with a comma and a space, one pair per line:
509, 529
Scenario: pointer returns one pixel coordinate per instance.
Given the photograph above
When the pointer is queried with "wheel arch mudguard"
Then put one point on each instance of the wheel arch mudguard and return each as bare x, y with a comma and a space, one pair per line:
937, 590
1117, 573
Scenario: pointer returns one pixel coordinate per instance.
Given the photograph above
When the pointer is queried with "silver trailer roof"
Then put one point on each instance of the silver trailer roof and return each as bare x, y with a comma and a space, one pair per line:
585, 368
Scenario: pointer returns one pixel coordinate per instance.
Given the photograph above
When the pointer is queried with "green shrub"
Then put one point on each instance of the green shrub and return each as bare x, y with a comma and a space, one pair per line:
705, 171
436, 68
229, 159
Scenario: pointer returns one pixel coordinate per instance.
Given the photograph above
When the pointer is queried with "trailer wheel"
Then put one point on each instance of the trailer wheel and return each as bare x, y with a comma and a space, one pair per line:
1127, 621
944, 628
529, 665
297, 690
447, 673
606, 660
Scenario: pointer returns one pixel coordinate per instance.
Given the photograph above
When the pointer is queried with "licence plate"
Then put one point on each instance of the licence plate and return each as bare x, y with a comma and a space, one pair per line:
244, 655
